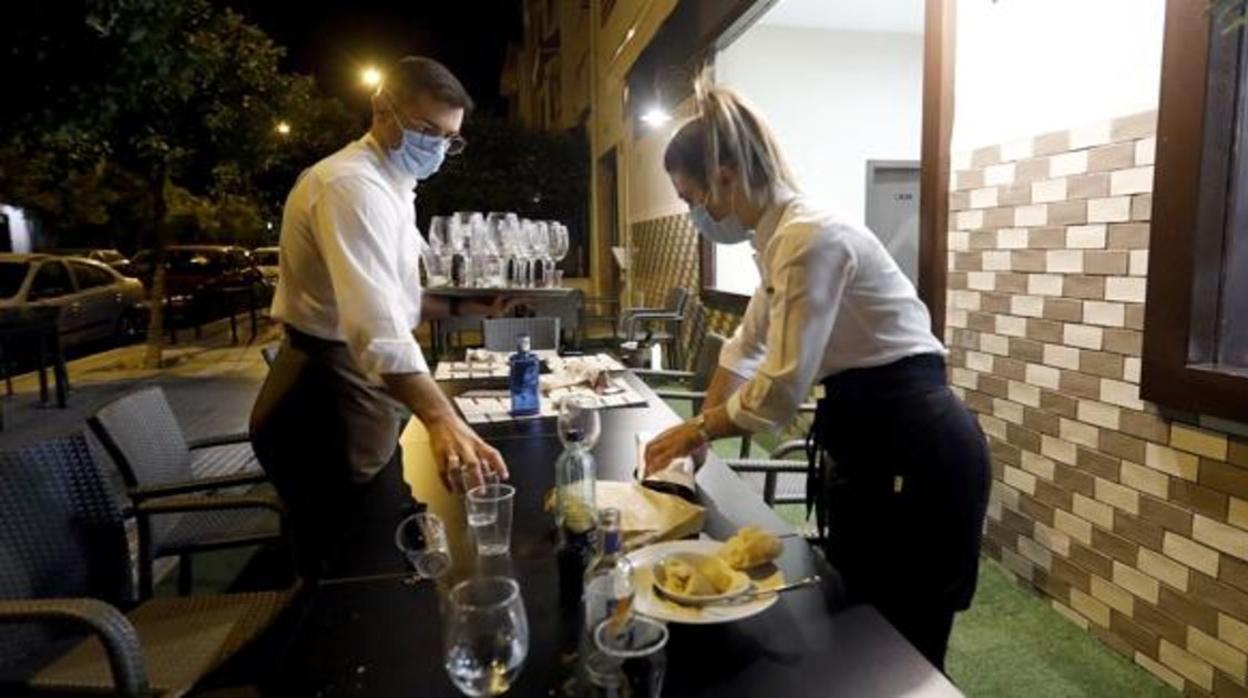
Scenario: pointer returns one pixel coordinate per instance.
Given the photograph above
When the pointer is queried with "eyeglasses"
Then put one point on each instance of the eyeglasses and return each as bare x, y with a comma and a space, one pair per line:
455, 143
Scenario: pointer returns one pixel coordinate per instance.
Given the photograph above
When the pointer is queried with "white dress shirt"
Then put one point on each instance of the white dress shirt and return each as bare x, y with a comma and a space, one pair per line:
831, 298
349, 262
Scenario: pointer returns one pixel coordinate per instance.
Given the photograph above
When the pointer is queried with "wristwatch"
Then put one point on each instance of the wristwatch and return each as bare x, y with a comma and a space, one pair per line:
703, 434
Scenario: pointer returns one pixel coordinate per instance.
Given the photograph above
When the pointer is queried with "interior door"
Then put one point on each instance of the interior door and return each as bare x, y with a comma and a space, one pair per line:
893, 210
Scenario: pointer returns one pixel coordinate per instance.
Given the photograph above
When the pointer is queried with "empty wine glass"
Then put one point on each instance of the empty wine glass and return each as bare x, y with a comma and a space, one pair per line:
525, 251
440, 248
486, 637
559, 248
578, 421
539, 243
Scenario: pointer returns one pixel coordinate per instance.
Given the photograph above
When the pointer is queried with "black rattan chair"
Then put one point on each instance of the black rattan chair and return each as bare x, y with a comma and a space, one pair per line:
180, 509
501, 333
64, 572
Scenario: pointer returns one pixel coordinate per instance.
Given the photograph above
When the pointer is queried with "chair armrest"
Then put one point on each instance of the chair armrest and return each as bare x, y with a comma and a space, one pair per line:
139, 494
182, 504
764, 465
663, 374
121, 642
792, 446
631, 320
219, 440
692, 395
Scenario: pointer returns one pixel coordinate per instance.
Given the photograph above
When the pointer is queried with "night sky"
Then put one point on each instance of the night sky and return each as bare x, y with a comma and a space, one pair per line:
333, 39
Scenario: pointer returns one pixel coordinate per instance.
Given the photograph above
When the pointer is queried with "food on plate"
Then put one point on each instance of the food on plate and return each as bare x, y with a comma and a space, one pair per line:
696, 575
750, 547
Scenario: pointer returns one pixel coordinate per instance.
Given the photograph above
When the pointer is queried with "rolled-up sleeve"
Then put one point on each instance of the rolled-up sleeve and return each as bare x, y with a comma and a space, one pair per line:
744, 352
809, 275
359, 235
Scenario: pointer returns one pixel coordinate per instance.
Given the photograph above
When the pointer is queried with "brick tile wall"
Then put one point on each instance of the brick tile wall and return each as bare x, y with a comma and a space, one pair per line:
1134, 526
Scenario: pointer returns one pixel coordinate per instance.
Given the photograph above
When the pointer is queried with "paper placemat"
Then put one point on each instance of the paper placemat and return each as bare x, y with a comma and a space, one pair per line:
496, 366
489, 406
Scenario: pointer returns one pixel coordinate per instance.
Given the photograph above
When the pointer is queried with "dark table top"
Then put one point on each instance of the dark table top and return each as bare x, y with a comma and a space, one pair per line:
383, 637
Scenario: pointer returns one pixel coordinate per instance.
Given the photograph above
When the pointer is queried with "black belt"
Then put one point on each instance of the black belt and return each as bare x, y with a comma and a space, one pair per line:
908, 376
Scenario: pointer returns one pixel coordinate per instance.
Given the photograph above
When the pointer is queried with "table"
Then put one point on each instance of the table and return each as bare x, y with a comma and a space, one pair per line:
442, 328
382, 637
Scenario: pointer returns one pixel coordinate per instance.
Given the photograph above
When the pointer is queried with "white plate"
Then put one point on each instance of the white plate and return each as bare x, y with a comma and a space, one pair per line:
650, 605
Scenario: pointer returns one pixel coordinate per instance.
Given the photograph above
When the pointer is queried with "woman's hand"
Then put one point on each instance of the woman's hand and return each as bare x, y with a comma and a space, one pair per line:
464, 460
679, 441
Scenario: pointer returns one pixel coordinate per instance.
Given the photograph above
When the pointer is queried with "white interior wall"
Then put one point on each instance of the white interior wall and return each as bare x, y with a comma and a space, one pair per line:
1027, 67
835, 100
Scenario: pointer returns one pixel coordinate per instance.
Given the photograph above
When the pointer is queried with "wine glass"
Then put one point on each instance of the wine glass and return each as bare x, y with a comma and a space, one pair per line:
559, 247
525, 251
578, 421
441, 251
486, 637
539, 243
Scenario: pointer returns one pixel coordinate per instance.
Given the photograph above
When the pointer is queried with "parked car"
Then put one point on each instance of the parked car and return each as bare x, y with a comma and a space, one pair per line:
95, 301
266, 260
200, 280
112, 258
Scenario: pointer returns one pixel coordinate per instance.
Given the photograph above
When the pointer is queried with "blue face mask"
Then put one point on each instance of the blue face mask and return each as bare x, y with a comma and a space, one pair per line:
728, 231
419, 154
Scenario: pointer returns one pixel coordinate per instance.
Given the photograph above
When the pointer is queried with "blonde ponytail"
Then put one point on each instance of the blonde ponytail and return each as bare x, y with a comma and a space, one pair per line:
728, 132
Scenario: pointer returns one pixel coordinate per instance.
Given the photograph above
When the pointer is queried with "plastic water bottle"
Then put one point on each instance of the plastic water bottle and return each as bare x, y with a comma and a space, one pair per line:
525, 377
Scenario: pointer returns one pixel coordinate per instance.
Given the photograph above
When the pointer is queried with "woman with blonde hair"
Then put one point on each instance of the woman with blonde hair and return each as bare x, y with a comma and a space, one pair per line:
902, 496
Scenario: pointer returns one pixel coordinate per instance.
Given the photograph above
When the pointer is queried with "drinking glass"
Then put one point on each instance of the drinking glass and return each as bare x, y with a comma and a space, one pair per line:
630, 662
578, 421
489, 517
440, 246
539, 240
422, 538
486, 637
559, 248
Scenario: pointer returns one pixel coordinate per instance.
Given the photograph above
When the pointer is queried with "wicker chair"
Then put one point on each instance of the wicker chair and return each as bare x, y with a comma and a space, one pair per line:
180, 509
695, 381
634, 323
65, 569
501, 334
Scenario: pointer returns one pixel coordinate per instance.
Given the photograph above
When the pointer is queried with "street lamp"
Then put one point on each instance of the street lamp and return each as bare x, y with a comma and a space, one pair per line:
370, 76
282, 128
655, 116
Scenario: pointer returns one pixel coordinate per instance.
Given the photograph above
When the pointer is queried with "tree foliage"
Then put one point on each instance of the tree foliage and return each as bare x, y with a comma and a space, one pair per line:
126, 99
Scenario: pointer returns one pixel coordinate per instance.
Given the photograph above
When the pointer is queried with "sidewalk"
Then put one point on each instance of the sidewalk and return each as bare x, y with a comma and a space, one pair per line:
210, 384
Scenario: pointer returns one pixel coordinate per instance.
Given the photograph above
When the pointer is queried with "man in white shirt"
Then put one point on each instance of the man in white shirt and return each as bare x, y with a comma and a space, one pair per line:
326, 423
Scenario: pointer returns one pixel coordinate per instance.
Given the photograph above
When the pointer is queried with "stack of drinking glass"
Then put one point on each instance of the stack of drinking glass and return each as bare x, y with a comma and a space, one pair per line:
494, 250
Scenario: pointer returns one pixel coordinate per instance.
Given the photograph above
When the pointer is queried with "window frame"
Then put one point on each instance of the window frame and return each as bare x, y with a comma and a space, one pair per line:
1187, 246
67, 274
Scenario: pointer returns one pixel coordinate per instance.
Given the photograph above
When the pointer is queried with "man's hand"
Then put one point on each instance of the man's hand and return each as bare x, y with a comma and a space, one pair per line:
463, 459
461, 455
